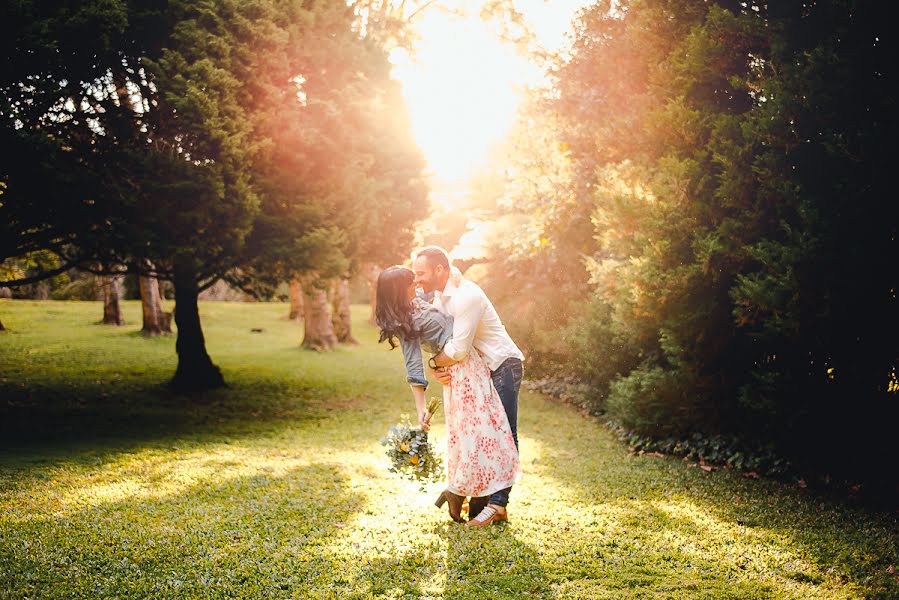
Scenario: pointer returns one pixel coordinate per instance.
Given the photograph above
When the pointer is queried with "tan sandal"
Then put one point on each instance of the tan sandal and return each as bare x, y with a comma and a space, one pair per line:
476, 504
492, 513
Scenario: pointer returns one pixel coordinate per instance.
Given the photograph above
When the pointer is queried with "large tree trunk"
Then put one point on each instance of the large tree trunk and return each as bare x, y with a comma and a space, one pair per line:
372, 272
341, 318
296, 300
111, 287
156, 320
195, 369
318, 331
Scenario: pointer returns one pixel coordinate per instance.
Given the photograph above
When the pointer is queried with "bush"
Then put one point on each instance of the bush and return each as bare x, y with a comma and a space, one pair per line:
656, 402
599, 353
730, 451
84, 288
568, 389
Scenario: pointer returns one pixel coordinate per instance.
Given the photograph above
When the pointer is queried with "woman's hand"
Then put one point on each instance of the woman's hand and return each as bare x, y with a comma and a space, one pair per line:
423, 421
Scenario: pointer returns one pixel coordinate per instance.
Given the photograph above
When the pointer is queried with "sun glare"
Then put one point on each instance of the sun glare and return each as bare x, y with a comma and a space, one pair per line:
463, 84
460, 92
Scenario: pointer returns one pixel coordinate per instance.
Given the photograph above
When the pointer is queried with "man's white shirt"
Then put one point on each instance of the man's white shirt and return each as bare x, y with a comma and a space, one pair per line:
475, 323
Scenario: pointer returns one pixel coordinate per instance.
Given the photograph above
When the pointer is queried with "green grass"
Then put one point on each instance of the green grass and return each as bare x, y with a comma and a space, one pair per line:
276, 486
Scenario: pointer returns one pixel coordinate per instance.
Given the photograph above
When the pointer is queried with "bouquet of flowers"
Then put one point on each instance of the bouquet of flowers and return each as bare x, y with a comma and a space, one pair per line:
409, 451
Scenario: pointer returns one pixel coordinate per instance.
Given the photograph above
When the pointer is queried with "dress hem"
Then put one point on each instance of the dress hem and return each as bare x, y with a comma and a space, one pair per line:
492, 489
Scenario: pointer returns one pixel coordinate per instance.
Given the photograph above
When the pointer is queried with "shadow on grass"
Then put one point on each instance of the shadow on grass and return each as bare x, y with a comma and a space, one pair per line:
482, 563
675, 528
63, 419
259, 535
396, 576
491, 562
612, 562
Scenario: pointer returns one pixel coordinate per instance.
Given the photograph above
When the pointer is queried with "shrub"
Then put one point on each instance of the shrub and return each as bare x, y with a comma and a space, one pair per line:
83, 288
654, 401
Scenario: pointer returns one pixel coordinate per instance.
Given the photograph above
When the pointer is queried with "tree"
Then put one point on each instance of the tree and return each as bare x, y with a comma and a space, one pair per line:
60, 96
318, 330
341, 180
212, 139
341, 318
371, 271
539, 281
731, 187
155, 320
296, 300
114, 137
111, 290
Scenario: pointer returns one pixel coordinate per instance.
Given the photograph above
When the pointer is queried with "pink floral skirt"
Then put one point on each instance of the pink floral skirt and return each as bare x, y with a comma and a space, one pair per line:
481, 453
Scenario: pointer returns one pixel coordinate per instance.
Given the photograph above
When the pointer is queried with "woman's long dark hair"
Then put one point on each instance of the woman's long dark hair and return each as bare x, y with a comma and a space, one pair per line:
393, 312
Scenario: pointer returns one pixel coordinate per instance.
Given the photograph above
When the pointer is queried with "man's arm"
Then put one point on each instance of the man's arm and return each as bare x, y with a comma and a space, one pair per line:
469, 308
441, 360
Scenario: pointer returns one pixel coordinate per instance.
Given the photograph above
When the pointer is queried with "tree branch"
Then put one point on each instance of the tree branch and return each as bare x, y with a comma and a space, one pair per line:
40, 277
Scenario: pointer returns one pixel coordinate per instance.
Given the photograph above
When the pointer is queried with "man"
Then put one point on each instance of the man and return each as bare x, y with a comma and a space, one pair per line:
475, 324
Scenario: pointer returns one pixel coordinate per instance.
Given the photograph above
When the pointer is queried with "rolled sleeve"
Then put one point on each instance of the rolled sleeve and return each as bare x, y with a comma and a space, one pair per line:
415, 370
455, 353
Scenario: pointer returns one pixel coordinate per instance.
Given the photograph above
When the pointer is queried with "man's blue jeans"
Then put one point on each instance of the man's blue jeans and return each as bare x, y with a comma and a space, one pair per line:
507, 380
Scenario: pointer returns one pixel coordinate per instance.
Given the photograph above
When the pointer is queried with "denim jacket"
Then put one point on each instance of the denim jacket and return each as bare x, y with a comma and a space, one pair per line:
434, 330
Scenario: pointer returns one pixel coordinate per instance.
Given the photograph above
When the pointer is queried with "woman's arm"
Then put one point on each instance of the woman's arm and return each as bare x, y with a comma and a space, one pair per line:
415, 375
415, 370
418, 393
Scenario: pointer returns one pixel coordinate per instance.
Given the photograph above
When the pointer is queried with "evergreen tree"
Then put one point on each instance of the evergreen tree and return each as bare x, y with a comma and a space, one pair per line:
734, 158
220, 139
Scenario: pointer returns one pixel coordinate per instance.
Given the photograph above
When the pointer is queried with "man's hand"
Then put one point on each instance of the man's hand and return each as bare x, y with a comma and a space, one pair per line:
441, 375
442, 360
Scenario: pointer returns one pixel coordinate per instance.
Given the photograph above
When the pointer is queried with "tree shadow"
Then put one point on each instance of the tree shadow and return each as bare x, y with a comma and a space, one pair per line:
491, 562
405, 575
73, 422
459, 562
258, 535
803, 537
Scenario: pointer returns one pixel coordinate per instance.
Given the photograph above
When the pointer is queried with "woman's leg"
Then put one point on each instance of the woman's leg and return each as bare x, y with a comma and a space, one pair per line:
454, 501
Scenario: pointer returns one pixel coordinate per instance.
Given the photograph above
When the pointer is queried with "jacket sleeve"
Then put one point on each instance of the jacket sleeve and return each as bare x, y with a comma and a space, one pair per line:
415, 370
469, 310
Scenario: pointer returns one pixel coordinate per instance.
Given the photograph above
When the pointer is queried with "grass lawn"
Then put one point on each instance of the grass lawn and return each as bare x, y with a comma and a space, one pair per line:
276, 486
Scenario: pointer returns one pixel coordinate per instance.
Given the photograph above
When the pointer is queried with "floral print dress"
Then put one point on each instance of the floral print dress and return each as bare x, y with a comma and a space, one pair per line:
481, 453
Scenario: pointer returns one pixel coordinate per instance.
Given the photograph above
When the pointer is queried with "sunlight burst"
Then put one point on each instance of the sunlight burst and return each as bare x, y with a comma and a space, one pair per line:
463, 84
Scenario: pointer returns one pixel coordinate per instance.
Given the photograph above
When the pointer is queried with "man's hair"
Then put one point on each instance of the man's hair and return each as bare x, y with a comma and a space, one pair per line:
435, 255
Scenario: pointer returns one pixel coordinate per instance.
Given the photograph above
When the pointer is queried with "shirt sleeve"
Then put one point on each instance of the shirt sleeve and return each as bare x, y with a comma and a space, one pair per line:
415, 370
469, 310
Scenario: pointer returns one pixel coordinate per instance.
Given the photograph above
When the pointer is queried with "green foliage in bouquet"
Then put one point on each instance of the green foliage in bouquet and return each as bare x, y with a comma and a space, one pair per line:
410, 452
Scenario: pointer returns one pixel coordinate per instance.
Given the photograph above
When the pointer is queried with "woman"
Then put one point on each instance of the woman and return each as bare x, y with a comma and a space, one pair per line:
481, 453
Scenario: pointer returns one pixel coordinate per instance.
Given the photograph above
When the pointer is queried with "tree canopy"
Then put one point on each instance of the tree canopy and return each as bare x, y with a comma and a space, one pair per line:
726, 191
213, 139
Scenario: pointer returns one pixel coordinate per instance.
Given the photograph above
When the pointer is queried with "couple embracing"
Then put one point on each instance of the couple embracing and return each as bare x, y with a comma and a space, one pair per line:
479, 366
